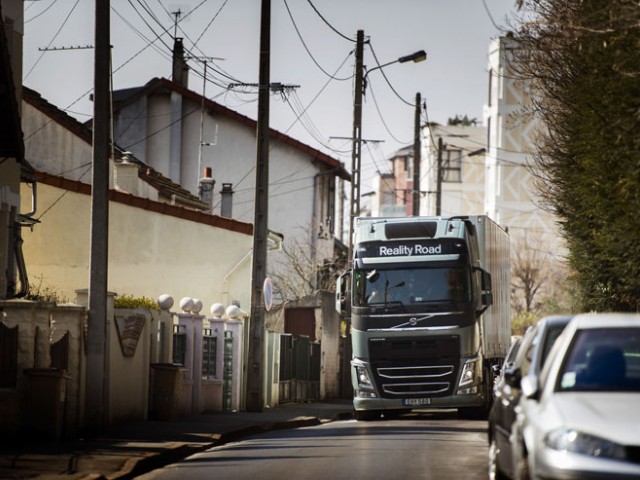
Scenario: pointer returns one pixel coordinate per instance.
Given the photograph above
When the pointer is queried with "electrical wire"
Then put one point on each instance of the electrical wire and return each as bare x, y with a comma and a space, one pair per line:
52, 40
386, 127
328, 24
39, 13
384, 75
304, 44
493, 22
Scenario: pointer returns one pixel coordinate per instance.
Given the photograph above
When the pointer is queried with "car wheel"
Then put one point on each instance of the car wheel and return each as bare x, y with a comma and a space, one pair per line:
522, 469
494, 470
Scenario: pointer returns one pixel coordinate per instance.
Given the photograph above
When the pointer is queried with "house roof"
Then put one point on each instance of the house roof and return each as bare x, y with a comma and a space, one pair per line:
124, 97
162, 184
149, 205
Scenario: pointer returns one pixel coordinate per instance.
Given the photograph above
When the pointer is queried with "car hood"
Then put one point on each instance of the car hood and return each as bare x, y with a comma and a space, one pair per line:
614, 416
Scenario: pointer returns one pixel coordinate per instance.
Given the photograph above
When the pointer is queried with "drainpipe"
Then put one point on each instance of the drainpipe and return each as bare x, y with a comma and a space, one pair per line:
19, 221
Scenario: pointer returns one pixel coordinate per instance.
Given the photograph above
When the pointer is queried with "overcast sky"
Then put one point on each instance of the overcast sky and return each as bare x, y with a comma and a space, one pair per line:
312, 48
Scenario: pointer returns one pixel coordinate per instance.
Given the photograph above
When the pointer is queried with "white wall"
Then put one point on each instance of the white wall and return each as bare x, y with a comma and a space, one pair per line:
149, 253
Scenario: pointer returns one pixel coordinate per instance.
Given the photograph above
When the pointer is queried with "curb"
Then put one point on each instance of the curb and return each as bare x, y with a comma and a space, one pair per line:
135, 467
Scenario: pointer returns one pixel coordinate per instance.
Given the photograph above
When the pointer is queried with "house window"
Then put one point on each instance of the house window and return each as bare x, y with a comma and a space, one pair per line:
209, 349
179, 345
452, 166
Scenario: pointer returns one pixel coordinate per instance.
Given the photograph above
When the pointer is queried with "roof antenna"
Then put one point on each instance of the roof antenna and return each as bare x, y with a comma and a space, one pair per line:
176, 14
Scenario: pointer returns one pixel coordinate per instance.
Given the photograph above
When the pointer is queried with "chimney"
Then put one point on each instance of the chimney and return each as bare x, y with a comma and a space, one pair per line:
227, 200
126, 175
180, 73
205, 188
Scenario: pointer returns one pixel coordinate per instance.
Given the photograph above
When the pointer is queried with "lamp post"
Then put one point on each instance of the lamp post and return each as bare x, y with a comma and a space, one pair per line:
356, 155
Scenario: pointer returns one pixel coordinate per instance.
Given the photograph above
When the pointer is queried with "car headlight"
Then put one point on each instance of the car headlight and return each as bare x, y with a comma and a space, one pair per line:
570, 440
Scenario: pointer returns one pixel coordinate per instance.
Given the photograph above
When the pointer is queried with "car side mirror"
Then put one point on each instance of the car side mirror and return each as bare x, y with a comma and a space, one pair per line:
530, 387
513, 376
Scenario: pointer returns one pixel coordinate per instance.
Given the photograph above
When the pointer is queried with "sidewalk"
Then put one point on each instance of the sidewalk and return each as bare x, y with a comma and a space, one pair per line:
129, 450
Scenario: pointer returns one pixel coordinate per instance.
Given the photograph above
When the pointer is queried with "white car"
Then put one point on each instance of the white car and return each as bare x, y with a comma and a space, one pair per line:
583, 413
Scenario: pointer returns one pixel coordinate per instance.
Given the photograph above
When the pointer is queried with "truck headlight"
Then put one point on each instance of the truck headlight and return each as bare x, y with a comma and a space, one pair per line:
468, 373
570, 440
363, 377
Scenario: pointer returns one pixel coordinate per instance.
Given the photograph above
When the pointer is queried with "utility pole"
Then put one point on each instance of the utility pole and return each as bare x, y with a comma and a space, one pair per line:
97, 378
417, 145
439, 179
255, 371
357, 141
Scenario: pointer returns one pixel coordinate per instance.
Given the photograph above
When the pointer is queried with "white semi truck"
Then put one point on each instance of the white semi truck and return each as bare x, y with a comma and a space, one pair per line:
428, 300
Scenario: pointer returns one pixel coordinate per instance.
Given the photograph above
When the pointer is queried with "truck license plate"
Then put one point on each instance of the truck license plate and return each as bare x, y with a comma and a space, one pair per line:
413, 402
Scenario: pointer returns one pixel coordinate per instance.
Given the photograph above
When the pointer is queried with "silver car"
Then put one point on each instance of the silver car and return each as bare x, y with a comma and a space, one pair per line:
528, 361
582, 418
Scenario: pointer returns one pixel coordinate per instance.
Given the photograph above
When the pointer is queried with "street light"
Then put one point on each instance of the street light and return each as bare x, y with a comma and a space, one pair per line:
415, 57
357, 127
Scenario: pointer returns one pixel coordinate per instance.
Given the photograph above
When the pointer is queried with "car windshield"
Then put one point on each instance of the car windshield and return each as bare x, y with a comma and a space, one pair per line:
412, 285
603, 360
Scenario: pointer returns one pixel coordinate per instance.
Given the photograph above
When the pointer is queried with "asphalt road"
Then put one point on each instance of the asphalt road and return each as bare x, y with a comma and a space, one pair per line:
420, 445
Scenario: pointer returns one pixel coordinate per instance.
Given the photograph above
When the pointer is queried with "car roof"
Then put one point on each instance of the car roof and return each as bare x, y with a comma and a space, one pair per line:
609, 320
555, 320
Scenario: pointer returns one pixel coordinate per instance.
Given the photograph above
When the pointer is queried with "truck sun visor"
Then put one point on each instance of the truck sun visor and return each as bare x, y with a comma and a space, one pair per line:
410, 230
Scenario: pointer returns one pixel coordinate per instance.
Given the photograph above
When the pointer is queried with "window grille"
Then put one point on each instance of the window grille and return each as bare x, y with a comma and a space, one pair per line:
179, 345
209, 350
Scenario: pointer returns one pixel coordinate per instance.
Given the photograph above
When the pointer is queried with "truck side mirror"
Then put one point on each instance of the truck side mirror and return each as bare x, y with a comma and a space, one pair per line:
343, 295
486, 294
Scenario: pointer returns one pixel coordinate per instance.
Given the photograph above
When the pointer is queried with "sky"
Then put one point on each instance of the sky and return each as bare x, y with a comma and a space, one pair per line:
312, 53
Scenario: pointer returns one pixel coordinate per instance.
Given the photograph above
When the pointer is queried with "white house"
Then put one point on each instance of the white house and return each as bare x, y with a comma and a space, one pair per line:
163, 123
512, 198
160, 239
457, 154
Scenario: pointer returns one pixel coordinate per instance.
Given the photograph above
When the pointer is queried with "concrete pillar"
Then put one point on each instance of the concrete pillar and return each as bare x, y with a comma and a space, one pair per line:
192, 324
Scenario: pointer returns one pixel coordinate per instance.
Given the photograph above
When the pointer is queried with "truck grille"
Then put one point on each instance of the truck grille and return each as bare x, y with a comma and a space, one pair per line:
415, 367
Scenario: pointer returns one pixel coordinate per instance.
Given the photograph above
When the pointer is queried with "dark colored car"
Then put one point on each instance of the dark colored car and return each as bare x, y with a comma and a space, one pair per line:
529, 360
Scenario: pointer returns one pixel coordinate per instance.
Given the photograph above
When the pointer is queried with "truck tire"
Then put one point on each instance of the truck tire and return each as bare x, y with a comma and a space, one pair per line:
367, 415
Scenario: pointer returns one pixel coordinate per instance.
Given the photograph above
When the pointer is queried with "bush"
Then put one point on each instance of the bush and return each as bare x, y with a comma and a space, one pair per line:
522, 321
129, 301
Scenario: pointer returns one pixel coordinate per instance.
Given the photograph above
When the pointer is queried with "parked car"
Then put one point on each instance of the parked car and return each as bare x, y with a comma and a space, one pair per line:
531, 355
509, 359
583, 414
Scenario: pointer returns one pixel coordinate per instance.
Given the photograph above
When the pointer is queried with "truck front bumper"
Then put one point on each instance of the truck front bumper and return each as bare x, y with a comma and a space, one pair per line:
454, 401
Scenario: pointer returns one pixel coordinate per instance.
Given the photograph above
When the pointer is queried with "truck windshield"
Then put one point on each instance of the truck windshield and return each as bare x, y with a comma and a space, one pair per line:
412, 286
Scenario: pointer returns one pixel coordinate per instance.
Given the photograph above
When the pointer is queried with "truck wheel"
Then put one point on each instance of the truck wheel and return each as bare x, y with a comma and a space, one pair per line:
473, 413
393, 414
367, 415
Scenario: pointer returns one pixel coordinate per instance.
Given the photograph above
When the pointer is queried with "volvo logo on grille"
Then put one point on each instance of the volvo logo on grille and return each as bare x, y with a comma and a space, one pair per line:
413, 321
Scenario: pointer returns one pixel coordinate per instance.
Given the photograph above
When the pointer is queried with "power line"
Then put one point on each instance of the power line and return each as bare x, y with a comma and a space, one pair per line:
328, 24
384, 75
52, 40
307, 48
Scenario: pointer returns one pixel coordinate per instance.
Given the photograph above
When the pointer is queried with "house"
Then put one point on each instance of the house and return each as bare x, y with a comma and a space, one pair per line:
209, 150
14, 169
160, 238
512, 198
455, 154
392, 192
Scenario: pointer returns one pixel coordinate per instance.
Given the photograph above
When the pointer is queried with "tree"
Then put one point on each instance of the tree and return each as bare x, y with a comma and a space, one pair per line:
296, 275
582, 63
465, 121
528, 274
